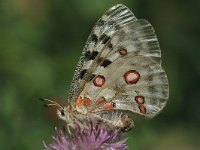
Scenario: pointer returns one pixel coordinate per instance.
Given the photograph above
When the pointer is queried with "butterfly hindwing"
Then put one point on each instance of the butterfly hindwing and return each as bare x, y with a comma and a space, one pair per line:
132, 83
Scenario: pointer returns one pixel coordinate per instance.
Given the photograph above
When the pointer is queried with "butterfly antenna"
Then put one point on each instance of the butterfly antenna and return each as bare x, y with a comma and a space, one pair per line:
52, 103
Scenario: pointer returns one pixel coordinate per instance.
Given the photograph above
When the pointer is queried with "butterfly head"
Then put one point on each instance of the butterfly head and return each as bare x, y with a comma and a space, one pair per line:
64, 113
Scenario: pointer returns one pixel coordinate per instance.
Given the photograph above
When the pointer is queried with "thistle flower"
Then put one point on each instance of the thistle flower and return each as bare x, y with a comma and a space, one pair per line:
88, 138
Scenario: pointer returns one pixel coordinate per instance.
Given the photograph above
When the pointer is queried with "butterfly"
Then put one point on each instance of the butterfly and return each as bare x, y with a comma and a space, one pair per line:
119, 70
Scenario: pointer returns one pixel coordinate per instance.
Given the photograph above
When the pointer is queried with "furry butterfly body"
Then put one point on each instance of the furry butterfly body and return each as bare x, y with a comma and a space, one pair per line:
119, 70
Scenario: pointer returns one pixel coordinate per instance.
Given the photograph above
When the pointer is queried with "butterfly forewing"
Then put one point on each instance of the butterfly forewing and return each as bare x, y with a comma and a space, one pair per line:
116, 17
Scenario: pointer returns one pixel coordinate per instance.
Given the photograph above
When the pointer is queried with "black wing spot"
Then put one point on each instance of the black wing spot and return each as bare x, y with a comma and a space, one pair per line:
94, 38
93, 55
114, 105
152, 89
150, 78
87, 54
83, 73
101, 22
164, 93
90, 55
110, 46
99, 60
104, 38
105, 63
92, 76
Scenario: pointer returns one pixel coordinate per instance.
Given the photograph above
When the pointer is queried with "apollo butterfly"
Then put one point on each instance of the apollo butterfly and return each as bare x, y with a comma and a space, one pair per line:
119, 70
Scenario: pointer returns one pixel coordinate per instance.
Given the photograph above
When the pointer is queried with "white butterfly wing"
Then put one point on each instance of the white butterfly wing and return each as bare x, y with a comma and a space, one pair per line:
132, 83
120, 66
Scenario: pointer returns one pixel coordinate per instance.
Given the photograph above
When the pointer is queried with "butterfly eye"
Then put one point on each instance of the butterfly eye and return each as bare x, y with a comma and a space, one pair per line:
62, 112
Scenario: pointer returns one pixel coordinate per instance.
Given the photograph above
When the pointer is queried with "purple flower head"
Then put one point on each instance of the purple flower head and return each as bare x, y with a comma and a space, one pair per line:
90, 137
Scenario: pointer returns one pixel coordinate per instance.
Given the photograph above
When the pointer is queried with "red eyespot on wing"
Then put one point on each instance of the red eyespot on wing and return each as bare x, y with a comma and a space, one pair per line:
99, 81
109, 106
100, 100
142, 109
87, 101
123, 51
79, 101
131, 76
139, 99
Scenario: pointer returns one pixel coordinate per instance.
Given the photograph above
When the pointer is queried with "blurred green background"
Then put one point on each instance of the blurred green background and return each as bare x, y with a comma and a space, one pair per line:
40, 44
